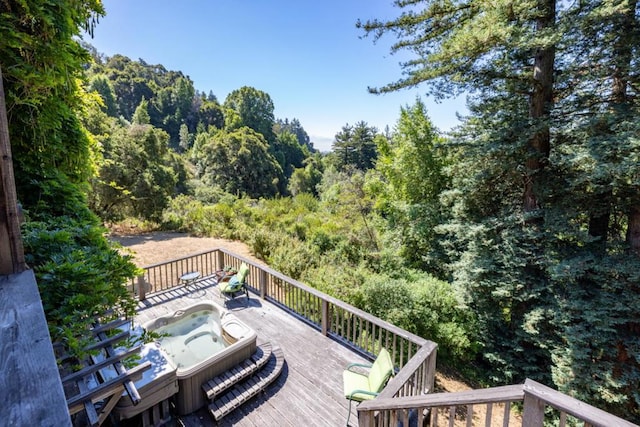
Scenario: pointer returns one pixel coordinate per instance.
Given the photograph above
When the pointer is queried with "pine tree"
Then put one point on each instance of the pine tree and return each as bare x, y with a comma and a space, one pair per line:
544, 200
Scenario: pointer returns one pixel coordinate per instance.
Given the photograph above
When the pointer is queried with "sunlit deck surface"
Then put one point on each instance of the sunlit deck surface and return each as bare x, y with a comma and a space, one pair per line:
309, 390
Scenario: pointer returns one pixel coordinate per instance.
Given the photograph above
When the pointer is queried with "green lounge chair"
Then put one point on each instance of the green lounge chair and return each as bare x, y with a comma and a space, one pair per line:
236, 284
359, 386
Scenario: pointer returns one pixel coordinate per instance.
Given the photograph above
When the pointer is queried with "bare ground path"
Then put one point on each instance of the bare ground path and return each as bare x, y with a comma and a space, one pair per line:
155, 247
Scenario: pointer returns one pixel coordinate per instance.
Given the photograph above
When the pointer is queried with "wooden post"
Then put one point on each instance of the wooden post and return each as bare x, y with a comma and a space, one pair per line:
220, 260
263, 284
533, 411
325, 316
11, 250
141, 288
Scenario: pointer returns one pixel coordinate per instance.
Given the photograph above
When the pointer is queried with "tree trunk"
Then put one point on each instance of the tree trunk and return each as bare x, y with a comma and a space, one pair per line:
622, 69
539, 108
622, 57
11, 250
633, 229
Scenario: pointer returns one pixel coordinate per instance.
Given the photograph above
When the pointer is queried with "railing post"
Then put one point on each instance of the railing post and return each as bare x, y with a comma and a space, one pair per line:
263, 283
141, 288
533, 411
325, 317
220, 260
431, 371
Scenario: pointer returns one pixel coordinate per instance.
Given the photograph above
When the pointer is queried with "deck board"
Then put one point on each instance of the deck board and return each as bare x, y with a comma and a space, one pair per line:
309, 390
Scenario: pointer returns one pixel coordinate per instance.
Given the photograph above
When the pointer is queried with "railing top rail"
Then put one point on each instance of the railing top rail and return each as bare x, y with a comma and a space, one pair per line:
158, 264
467, 397
573, 406
334, 301
397, 382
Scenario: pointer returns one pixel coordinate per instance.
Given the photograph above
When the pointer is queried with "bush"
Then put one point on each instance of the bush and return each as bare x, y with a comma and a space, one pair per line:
81, 277
291, 257
422, 305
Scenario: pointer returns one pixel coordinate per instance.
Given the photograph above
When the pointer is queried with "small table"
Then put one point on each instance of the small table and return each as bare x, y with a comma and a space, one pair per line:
189, 278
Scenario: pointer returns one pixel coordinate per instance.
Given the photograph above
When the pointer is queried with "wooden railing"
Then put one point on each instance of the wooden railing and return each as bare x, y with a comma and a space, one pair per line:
166, 275
485, 407
407, 399
414, 357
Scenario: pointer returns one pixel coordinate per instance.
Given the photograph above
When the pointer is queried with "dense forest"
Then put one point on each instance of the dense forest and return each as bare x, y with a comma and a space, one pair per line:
513, 241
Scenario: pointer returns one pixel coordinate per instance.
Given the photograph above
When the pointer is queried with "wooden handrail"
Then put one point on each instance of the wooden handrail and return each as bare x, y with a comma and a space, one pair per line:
411, 390
423, 361
572, 406
414, 356
466, 397
535, 396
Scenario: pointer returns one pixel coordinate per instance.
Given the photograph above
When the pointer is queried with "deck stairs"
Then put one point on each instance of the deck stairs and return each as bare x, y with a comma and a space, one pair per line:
229, 390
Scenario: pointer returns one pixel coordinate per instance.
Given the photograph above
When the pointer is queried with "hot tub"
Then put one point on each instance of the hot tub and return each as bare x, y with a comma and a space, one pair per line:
203, 340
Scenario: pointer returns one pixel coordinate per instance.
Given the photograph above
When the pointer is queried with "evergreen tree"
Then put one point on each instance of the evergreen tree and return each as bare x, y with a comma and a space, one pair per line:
544, 192
354, 146
102, 85
141, 115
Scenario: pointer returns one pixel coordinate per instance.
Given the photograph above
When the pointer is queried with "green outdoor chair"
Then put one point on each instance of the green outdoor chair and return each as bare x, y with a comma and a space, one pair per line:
237, 284
360, 386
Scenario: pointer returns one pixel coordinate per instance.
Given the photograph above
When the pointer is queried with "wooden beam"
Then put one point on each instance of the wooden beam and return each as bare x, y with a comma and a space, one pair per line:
32, 393
106, 389
100, 365
11, 250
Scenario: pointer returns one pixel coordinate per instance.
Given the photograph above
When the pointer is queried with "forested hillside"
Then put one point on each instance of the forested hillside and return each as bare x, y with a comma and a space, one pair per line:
513, 241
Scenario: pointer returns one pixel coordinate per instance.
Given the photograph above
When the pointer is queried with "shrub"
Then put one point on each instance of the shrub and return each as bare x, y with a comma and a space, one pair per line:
81, 277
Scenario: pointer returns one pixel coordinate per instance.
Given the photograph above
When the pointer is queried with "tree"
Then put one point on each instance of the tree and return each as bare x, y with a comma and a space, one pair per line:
412, 164
295, 128
541, 181
306, 180
102, 85
80, 275
141, 115
254, 109
137, 176
239, 162
289, 153
355, 146
185, 137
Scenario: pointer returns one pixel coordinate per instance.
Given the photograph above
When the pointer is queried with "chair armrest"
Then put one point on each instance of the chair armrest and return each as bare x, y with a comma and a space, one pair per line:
367, 392
359, 365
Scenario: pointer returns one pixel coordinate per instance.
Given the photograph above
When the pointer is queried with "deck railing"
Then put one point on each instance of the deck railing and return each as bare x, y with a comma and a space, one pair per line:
407, 399
413, 356
486, 407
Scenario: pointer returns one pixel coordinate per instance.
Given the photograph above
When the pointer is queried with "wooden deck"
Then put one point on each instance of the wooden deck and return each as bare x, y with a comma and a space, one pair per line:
309, 390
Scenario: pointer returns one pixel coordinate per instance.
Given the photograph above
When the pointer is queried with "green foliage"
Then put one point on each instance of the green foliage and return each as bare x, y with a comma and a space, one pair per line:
102, 85
307, 179
423, 305
543, 215
80, 276
252, 108
141, 114
171, 97
415, 154
295, 127
138, 174
239, 162
355, 147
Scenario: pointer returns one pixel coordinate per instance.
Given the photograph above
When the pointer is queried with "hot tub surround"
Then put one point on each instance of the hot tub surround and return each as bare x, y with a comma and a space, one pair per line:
240, 343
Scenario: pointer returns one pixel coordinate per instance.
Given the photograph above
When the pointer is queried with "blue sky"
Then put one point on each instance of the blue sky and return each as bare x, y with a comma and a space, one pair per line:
307, 55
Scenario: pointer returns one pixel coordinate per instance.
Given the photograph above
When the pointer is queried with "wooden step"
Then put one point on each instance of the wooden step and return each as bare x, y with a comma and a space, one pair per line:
245, 390
246, 368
